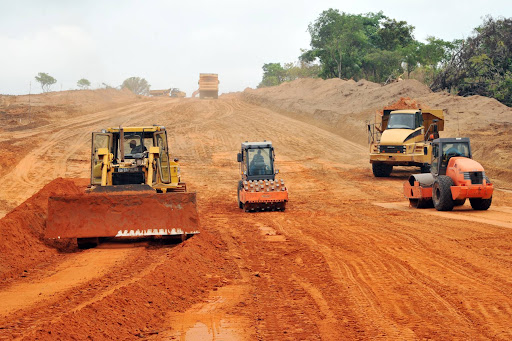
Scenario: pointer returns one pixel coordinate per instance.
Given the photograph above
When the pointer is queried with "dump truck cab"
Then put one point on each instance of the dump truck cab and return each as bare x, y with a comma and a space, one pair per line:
403, 138
259, 189
454, 177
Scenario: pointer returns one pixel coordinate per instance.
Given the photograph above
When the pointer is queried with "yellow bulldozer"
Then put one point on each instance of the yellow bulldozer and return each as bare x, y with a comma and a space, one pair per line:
135, 191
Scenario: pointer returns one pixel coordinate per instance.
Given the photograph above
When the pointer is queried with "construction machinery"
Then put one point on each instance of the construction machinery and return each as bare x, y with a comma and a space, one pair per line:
208, 86
175, 92
453, 178
403, 138
259, 190
135, 191
159, 93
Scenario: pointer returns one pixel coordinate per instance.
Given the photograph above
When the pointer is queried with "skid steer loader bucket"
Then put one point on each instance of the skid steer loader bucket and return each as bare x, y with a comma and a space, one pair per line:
122, 214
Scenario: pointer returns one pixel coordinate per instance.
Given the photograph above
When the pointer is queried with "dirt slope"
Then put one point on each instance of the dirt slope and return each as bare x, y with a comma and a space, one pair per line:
342, 107
347, 260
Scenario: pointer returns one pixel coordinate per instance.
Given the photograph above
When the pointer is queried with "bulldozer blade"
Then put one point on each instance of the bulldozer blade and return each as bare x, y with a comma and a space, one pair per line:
119, 214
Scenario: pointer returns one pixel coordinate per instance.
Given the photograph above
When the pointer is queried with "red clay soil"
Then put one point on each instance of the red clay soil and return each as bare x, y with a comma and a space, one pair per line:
347, 260
22, 242
404, 103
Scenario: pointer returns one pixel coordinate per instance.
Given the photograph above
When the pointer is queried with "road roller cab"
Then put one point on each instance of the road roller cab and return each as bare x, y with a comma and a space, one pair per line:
259, 189
454, 177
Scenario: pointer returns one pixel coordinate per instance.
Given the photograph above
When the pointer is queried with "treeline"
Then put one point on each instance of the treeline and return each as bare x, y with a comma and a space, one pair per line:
381, 49
137, 85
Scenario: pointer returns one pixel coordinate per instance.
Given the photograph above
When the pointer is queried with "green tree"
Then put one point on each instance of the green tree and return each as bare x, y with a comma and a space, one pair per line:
45, 80
83, 83
435, 52
378, 66
367, 45
482, 64
137, 85
394, 34
273, 74
338, 40
411, 56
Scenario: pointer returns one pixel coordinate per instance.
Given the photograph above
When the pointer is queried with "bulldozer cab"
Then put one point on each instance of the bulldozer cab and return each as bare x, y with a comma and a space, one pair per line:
257, 161
444, 149
126, 151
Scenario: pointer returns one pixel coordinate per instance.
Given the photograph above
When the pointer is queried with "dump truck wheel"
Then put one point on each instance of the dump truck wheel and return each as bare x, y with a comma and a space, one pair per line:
459, 202
480, 204
442, 193
381, 170
425, 168
240, 186
87, 243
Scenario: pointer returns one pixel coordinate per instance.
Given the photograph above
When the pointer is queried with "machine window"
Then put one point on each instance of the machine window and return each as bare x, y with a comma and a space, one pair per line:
259, 161
133, 146
454, 149
401, 121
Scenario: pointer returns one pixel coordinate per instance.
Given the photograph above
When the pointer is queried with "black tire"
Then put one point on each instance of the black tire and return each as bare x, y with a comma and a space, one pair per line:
459, 202
480, 204
381, 170
425, 168
442, 193
240, 186
87, 243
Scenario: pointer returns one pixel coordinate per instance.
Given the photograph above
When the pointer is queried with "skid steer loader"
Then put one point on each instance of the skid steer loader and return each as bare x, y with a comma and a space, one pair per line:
135, 191
259, 190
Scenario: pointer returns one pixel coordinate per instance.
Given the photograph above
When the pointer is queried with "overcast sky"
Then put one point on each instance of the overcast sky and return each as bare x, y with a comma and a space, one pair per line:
170, 42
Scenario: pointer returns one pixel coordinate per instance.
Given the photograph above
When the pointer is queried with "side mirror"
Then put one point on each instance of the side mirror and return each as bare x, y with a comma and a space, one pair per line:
239, 157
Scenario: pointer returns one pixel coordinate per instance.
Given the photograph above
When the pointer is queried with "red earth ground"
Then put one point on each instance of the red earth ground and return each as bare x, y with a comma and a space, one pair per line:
347, 260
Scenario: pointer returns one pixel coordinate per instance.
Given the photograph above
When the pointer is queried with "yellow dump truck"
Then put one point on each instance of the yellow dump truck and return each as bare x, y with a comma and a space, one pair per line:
208, 85
175, 92
403, 138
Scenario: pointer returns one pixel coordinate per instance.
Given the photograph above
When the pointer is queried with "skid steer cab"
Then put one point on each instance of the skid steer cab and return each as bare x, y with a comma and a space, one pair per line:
454, 177
135, 191
259, 190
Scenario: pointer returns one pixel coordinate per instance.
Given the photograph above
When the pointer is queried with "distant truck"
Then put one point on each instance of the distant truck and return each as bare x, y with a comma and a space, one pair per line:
404, 138
208, 85
159, 93
175, 92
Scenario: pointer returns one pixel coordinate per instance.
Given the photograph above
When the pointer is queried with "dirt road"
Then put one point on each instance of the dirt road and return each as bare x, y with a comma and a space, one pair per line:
347, 260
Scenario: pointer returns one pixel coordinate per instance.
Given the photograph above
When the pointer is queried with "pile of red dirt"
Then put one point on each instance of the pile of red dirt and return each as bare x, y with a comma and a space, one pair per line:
404, 103
22, 242
192, 269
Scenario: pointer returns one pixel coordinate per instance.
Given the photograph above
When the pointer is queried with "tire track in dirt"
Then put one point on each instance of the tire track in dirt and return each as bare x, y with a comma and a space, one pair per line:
77, 287
333, 266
